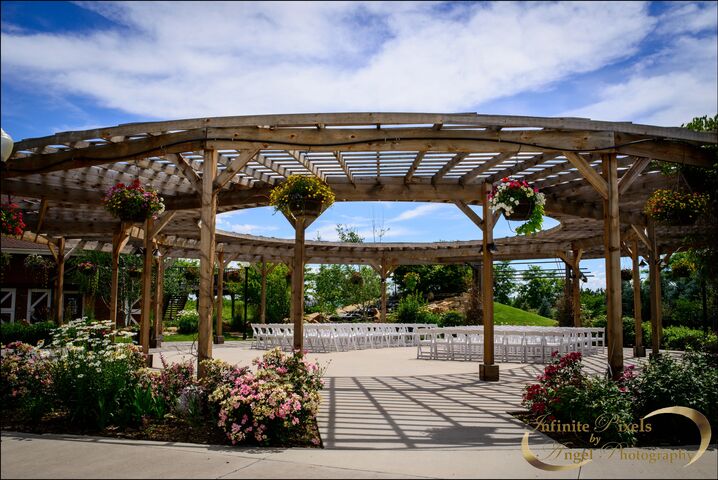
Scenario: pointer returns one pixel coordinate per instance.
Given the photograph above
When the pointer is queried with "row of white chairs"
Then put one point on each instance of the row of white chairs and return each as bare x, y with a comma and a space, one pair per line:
511, 343
339, 337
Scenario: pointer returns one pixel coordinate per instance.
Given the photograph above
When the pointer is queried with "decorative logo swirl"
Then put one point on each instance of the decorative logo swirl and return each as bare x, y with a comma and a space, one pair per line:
697, 417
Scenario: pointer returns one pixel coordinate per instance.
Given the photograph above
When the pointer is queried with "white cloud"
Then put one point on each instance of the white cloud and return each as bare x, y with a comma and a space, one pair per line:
184, 59
417, 212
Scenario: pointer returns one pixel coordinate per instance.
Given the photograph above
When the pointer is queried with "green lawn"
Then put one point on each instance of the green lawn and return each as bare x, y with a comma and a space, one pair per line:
191, 337
505, 315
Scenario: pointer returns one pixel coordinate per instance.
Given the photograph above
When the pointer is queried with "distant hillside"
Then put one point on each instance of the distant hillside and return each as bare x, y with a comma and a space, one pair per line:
505, 315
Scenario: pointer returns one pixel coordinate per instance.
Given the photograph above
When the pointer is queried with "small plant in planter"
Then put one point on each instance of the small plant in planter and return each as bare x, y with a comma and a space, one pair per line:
301, 196
626, 274
671, 207
519, 201
133, 203
11, 220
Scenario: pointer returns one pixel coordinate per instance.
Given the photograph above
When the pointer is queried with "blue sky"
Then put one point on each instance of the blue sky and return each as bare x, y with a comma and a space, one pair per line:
68, 66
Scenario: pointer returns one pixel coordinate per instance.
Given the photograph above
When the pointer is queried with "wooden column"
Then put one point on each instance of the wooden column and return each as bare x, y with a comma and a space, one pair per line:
59, 306
218, 337
638, 349
383, 270
654, 277
146, 308
487, 370
208, 215
156, 340
613, 267
576, 287
298, 283
263, 295
119, 240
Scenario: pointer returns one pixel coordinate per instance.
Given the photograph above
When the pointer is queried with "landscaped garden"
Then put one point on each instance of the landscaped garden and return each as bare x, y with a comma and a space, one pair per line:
85, 382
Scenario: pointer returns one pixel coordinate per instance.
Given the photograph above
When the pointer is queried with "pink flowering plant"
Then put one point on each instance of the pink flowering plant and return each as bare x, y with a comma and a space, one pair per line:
277, 404
11, 220
507, 195
564, 393
25, 380
133, 202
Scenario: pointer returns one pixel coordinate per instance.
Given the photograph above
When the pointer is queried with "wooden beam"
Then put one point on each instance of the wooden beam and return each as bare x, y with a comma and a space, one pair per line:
207, 246
343, 164
233, 168
473, 216
638, 349
41, 217
189, 173
146, 299
218, 337
298, 284
487, 165
119, 240
654, 277
162, 222
613, 266
487, 370
301, 157
77, 246
588, 173
60, 282
414, 165
157, 330
641, 234
632, 174
576, 286
443, 171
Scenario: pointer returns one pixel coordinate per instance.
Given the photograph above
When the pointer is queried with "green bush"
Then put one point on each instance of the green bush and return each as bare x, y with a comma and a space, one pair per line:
412, 309
629, 329
187, 321
452, 318
684, 338
689, 382
30, 334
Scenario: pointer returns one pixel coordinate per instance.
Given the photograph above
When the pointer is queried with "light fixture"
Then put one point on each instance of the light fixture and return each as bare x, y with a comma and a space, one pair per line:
492, 247
642, 264
583, 278
156, 253
6, 145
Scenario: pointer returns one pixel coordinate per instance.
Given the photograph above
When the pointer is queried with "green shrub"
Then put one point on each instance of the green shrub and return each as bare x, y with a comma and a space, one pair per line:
187, 321
30, 334
689, 382
684, 338
24, 380
629, 329
409, 308
452, 318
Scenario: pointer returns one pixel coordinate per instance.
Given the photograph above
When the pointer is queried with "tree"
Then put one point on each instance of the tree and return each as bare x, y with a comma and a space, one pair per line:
434, 279
504, 284
538, 292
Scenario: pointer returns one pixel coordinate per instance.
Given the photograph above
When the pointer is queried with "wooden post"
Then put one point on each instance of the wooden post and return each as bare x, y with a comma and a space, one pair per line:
119, 240
298, 283
638, 349
208, 215
218, 337
59, 306
156, 340
474, 312
263, 295
576, 287
654, 277
612, 237
146, 310
487, 370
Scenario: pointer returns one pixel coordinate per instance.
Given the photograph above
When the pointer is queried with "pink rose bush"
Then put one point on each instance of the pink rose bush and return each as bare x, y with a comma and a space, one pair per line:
276, 405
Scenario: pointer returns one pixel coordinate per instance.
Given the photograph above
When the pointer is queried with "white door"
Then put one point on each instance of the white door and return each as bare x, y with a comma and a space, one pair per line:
7, 304
38, 305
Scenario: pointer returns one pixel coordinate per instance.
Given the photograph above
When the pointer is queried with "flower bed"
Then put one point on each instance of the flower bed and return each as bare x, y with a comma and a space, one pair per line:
613, 412
675, 208
519, 201
133, 203
86, 383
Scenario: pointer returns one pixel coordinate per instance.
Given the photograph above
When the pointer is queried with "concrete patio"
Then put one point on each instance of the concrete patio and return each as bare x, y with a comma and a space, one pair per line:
384, 415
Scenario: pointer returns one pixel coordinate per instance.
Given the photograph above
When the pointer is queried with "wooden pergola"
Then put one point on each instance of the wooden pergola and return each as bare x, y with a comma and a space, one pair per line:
596, 177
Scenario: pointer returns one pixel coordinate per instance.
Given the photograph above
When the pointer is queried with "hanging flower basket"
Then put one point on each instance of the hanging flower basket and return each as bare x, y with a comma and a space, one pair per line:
234, 275
356, 279
134, 272
626, 275
682, 268
517, 200
301, 196
11, 219
671, 207
133, 203
191, 273
39, 266
87, 268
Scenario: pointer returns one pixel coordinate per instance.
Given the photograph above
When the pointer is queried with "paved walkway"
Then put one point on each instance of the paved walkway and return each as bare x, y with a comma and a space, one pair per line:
384, 414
